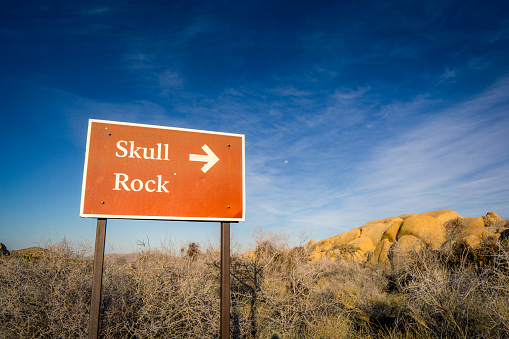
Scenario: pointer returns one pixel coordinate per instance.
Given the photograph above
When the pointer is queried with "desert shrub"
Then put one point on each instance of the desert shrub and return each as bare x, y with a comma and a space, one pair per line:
152, 294
279, 294
454, 228
337, 327
455, 292
463, 300
193, 249
48, 297
157, 295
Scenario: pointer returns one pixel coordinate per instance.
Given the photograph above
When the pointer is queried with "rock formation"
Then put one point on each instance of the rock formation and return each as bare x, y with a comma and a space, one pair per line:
380, 241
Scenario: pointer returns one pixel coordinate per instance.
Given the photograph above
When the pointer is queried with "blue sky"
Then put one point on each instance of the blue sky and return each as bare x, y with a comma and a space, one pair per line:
352, 110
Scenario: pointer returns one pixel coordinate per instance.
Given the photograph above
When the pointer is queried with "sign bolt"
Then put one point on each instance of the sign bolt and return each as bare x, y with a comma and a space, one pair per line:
102, 202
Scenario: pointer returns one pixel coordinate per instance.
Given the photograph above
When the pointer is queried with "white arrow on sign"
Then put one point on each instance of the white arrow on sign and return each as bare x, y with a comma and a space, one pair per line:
210, 158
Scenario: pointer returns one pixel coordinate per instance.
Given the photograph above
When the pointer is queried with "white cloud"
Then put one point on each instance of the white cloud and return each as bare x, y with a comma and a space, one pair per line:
347, 94
398, 109
168, 80
448, 75
291, 91
456, 159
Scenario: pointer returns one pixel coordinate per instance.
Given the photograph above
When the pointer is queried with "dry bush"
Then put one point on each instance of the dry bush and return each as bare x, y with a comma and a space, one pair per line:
459, 300
150, 295
454, 228
276, 293
158, 295
48, 297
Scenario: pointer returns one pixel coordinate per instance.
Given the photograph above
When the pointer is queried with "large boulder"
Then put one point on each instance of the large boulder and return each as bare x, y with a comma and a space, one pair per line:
391, 232
443, 216
363, 244
480, 232
426, 228
381, 254
346, 237
491, 219
406, 216
377, 228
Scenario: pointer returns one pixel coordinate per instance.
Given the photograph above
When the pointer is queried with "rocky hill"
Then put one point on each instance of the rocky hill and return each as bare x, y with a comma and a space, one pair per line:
380, 241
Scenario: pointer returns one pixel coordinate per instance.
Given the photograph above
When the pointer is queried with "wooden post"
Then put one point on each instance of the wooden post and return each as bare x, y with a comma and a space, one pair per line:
95, 304
225, 281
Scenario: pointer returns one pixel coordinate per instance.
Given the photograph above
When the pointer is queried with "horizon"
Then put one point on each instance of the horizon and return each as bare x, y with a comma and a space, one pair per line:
351, 112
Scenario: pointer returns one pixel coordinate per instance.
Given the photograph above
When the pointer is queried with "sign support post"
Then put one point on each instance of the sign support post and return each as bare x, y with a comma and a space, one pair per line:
225, 280
95, 304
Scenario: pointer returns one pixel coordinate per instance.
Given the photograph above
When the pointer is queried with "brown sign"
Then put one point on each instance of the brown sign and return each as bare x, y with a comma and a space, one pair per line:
135, 171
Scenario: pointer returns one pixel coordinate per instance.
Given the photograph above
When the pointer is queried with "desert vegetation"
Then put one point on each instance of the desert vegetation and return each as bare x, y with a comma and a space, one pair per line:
452, 292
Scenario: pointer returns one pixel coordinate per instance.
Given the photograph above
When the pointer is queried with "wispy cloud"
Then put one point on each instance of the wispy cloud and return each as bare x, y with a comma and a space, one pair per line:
169, 80
292, 92
307, 171
458, 157
448, 75
451, 158
399, 109
344, 94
